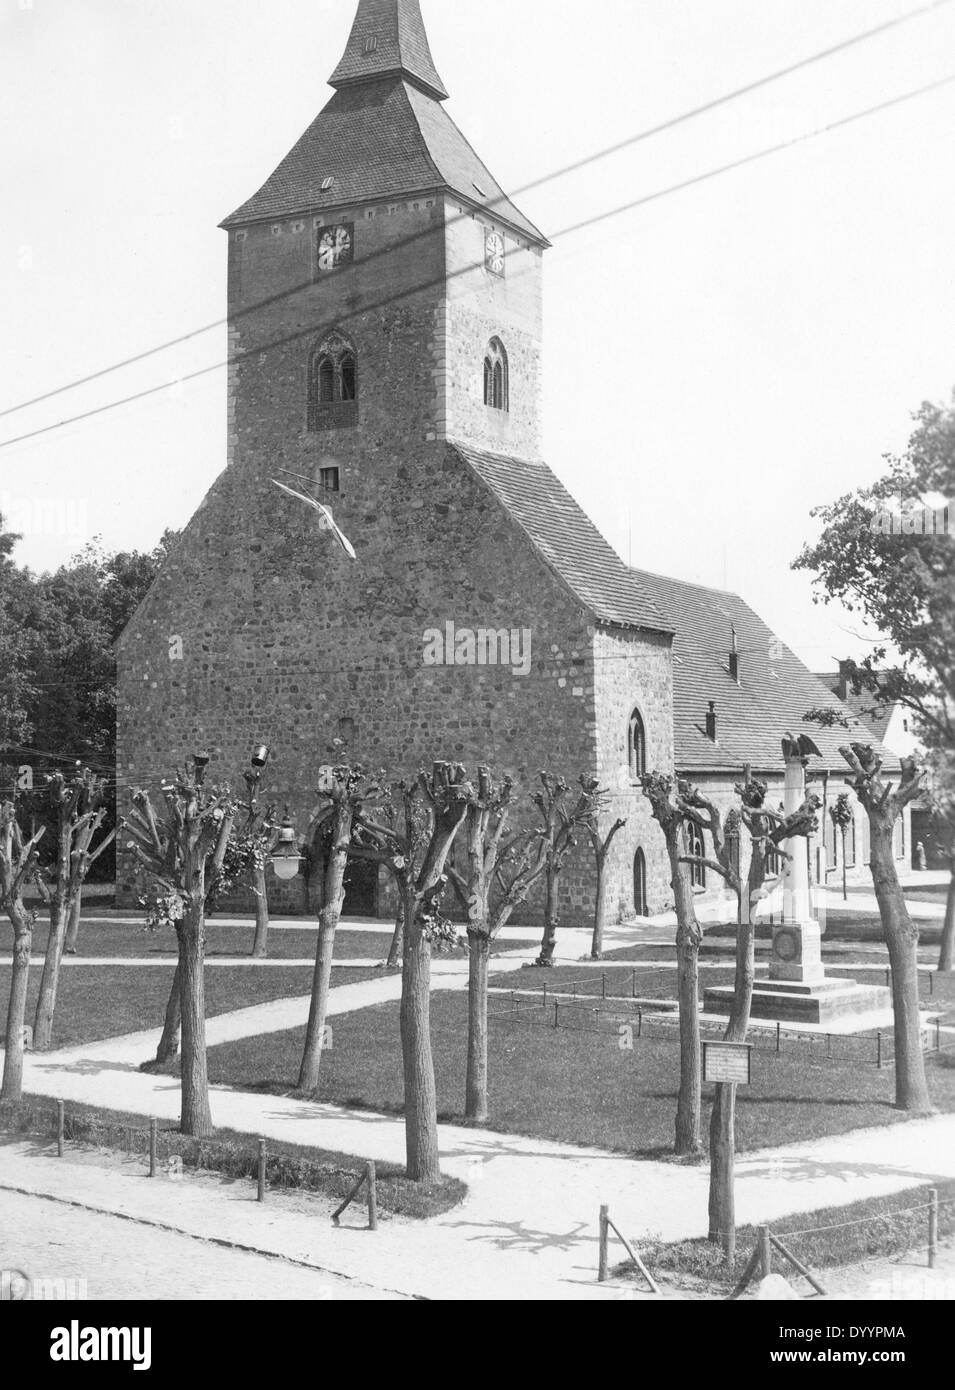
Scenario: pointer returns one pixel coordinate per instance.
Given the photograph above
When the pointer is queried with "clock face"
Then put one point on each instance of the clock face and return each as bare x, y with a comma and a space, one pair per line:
334, 247
494, 253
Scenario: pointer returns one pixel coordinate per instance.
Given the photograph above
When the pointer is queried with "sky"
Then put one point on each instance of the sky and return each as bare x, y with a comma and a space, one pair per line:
718, 361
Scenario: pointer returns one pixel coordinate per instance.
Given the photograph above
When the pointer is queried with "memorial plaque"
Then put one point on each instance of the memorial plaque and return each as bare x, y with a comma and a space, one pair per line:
730, 1062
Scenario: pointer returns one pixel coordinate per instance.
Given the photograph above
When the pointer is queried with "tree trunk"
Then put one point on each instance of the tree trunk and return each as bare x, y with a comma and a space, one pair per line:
845, 891
600, 910
59, 920
73, 930
169, 1042
397, 941
421, 1104
196, 1117
688, 938
22, 922
260, 945
50, 979
479, 952
947, 949
551, 918
901, 938
321, 980
722, 1206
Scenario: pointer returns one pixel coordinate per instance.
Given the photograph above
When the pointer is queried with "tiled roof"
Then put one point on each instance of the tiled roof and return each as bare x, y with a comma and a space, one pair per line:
774, 693
863, 705
566, 538
393, 33
382, 139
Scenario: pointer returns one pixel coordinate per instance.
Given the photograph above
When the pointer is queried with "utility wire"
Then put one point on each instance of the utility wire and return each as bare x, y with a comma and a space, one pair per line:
670, 124
314, 329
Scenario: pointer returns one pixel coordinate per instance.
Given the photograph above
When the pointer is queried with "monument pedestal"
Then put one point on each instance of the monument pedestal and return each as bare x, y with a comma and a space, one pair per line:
798, 991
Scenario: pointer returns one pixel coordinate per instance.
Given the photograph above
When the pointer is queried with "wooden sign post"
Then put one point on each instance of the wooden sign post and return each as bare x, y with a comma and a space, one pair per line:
728, 1064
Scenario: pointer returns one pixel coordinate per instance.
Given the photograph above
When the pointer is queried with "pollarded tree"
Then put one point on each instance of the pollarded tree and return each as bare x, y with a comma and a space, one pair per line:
767, 831
78, 809
563, 819
501, 870
345, 791
18, 866
412, 837
600, 843
670, 811
883, 804
942, 801
183, 851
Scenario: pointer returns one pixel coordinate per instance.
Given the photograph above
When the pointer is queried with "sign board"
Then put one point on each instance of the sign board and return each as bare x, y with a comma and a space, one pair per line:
730, 1062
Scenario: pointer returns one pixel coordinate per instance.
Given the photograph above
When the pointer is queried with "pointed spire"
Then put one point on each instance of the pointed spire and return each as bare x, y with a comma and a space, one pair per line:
388, 37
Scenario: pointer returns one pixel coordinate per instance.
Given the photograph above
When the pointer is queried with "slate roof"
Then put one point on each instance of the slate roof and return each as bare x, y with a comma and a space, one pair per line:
396, 29
566, 538
774, 693
863, 705
382, 139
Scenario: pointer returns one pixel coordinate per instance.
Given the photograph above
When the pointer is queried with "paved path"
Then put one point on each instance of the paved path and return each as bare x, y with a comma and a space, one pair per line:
78, 1253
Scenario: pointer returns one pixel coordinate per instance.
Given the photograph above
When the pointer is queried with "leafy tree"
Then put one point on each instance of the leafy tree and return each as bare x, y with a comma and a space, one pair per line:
600, 843
885, 553
840, 813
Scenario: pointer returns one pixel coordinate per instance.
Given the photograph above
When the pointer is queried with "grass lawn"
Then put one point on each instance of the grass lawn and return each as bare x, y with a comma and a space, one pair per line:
105, 938
574, 1085
873, 1228
93, 1004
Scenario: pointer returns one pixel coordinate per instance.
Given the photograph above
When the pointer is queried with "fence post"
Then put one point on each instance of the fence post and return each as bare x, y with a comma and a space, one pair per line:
931, 982
545, 994
604, 1241
878, 1049
556, 1007
777, 1037
372, 1197
603, 984
60, 1121
262, 1162
932, 1227
938, 1034
153, 1126
765, 1253
639, 1023
633, 984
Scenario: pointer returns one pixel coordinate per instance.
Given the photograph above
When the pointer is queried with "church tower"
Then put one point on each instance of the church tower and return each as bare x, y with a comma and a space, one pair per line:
384, 319
380, 279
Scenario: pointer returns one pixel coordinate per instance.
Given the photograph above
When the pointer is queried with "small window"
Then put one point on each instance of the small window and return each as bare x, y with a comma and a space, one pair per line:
329, 479
327, 183
496, 377
371, 44
637, 746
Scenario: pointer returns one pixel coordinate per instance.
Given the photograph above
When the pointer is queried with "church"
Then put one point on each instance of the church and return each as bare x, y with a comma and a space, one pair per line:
385, 326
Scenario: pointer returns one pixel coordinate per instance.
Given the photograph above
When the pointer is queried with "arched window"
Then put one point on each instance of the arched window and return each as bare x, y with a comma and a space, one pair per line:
695, 845
496, 383
640, 883
637, 746
333, 384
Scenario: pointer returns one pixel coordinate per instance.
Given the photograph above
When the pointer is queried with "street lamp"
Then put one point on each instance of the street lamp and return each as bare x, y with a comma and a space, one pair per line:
285, 856
200, 762
260, 755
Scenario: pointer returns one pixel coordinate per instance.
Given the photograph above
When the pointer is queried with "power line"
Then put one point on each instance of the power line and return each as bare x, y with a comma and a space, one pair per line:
644, 201
575, 166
